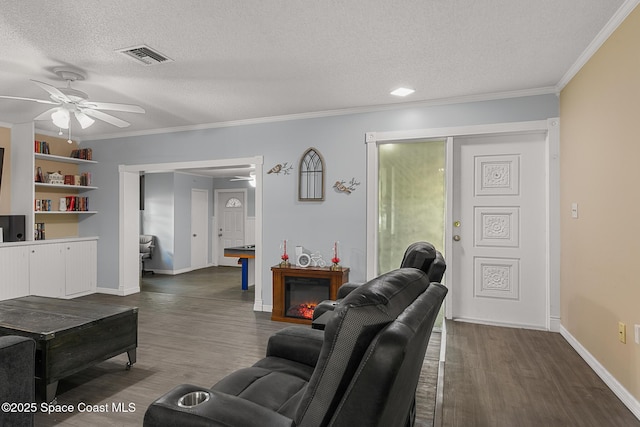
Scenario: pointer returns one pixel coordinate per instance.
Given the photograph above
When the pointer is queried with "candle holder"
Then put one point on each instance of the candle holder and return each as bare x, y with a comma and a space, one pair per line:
284, 257
335, 261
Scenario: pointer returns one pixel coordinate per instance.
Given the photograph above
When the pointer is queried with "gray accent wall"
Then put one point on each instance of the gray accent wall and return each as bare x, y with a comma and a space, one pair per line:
316, 225
167, 215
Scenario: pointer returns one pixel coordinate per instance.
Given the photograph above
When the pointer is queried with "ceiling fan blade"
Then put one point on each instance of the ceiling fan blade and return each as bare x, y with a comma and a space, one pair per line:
105, 117
109, 106
84, 120
20, 98
46, 115
54, 91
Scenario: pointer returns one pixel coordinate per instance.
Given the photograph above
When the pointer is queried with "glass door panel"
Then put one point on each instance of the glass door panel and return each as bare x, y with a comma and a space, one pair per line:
411, 198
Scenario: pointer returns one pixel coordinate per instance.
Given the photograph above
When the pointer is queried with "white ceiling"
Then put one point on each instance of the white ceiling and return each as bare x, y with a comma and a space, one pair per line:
240, 60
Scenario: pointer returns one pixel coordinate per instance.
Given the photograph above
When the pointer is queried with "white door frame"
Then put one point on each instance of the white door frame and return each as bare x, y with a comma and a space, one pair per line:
128, 244
552, 189
206, 226
216, 200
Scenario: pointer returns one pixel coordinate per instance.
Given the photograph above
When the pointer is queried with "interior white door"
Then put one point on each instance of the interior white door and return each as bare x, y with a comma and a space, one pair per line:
499, 261
231, 212
199, 228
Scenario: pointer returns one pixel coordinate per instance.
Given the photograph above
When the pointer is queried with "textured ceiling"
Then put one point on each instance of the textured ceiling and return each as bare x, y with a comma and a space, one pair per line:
238, 60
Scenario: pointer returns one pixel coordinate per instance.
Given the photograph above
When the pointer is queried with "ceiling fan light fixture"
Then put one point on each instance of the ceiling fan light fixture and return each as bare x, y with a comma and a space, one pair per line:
61, 118
84, 120
402, 91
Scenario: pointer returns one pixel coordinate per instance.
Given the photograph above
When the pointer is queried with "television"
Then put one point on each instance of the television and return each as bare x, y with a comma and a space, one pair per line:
12, 228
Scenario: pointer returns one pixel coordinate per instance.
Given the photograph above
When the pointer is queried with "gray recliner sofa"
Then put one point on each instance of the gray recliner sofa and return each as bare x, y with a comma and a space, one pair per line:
17, 381
363, 370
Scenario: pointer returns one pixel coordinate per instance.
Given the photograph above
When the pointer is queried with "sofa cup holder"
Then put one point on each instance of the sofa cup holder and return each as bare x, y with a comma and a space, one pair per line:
193, 399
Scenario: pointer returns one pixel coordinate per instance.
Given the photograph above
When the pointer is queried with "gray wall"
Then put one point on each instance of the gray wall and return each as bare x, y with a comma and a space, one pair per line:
158, 219
340, 139
167, 215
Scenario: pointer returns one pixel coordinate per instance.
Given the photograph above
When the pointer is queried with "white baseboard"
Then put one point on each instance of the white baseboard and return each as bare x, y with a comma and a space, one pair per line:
554, 324
618, 389
258, 306
118, 292
501, 324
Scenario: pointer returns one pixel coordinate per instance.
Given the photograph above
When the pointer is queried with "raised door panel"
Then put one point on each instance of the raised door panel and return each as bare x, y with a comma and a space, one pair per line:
47, 270
14, 272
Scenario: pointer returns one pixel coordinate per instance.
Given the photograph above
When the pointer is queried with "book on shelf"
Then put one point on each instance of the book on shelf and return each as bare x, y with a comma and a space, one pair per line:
85, 179
84, 154
41, 147
38, 231
43, 205
76, 204
39, 176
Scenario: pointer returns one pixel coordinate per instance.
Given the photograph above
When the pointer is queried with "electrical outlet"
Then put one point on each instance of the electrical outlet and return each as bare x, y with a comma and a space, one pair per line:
622, 332
637, 330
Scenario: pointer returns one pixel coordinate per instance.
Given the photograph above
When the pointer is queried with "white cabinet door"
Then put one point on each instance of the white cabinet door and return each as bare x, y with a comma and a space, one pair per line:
14, 271
47, 270
80, 267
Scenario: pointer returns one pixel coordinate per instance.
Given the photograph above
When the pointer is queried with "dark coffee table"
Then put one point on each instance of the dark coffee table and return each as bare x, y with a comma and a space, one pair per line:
70, 335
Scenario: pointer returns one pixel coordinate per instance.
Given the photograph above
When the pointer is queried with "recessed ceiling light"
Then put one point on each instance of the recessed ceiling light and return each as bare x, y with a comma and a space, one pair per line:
402, 91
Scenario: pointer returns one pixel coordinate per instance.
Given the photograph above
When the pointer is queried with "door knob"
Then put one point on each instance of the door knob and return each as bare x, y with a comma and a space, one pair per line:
456, 238
194, 235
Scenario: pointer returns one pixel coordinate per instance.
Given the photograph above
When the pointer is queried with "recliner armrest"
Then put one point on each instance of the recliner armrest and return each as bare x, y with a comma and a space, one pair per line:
221, 409
298, 343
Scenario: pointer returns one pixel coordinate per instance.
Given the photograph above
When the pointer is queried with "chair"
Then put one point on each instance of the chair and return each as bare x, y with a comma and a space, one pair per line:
147, 243
421, 255
363, 370
17, 383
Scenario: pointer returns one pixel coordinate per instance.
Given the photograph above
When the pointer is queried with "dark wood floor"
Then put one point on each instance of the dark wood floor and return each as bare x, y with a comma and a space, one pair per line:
193, 328
504, 377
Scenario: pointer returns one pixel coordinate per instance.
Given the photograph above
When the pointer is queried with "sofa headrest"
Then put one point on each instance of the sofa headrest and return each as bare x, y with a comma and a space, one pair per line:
419, 255
391, 292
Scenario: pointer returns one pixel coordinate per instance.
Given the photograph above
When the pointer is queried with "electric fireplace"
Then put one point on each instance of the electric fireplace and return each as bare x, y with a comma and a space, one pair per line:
297, 290
302, 294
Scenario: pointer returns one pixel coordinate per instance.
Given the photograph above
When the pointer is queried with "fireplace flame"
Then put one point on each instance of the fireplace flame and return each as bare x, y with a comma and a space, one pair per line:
303, 310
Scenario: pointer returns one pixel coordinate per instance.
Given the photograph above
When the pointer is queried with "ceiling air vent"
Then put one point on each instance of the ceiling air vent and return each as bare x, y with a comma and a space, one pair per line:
145, 55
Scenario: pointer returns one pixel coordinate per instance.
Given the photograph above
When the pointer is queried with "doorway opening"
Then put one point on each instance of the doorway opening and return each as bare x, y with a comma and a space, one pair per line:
129, 225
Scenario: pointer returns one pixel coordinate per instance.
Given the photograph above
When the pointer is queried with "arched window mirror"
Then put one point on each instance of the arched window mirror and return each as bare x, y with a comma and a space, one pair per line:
311, 183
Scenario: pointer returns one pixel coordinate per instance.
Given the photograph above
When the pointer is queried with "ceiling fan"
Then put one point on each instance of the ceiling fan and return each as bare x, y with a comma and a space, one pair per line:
70, 101
251, 178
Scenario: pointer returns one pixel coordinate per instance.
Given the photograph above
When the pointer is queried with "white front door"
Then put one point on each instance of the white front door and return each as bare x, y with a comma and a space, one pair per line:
231, 214
498, 268
199, 228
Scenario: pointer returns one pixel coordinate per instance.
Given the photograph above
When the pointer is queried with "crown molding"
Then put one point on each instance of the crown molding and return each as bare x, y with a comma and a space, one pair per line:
613, 24
330, 113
